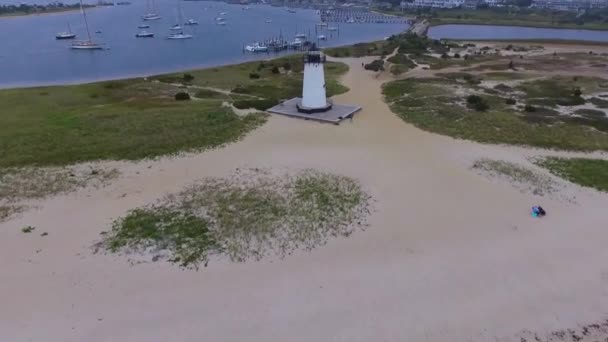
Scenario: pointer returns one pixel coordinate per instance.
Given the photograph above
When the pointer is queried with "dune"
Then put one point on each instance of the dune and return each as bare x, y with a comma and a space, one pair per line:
448, 255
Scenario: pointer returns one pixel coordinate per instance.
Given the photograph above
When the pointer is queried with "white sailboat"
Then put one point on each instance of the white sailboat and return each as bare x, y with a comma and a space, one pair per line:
66, 35
176, 27
151, 12
86, 44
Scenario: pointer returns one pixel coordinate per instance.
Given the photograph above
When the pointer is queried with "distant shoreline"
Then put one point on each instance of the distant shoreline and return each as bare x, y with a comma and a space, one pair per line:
210, 66
439, 22
44, 12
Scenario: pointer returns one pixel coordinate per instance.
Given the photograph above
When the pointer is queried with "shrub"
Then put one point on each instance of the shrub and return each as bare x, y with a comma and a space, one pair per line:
456, 55
287, 66
187, 77
530, 108
261, 66
182, 96
254, 75
275, 70
257, 104
577, 92
472, 99
510, 101
477, 103
207, 93
377, 65
445, 56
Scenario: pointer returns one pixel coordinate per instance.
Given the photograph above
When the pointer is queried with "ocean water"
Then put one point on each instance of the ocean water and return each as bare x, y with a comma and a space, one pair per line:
30, 55
513, 32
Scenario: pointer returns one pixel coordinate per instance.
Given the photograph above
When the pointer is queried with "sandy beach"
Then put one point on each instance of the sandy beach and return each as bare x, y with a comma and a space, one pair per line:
449, 255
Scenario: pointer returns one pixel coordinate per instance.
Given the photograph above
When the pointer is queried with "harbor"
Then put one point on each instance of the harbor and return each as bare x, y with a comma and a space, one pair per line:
361, 16
134, 46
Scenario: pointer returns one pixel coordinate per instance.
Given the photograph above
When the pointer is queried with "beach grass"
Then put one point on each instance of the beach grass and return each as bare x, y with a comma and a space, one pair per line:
139, 118
587, 172
248, 215
518, 175
438, 105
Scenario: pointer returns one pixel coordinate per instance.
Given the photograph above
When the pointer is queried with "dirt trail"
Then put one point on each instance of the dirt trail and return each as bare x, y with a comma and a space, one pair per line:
448, 255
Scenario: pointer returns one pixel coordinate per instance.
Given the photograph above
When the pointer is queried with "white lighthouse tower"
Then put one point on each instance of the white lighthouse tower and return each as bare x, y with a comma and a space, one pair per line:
314, 98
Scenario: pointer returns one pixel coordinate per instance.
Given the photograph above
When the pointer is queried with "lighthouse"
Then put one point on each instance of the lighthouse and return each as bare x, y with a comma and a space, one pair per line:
314, 98
314, 105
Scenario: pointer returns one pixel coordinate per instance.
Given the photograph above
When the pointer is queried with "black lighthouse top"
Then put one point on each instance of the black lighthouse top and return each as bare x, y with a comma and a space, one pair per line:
314, 56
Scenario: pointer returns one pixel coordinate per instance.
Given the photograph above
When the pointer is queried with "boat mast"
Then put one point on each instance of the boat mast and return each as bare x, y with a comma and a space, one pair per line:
84, 15
69, 27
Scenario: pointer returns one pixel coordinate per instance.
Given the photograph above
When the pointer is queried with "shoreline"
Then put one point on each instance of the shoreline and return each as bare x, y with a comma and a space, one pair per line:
84, 81
47, 12
434, 23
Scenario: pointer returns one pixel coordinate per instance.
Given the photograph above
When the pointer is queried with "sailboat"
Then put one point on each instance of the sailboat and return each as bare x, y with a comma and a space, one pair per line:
86, 44
66, 35
191, 22
176, 27
151, 15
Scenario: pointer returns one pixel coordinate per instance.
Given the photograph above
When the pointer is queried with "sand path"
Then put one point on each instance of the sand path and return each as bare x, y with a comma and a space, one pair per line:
448, 255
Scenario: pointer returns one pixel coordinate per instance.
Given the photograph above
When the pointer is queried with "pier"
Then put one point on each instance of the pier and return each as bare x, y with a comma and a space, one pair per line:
352, 16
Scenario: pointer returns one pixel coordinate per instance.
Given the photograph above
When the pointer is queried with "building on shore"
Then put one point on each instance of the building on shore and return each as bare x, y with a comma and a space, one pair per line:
432, 4
472, 4
570, 5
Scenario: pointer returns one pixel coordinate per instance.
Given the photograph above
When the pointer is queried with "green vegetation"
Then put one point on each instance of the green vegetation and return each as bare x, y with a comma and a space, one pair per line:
562, 91
263, 104
18, 185
591, 19
600, 103
140, 118
518, 175
440, 105
378, 48
248, 215
375, 65
26, 9
27, 229
401, 64
586, 172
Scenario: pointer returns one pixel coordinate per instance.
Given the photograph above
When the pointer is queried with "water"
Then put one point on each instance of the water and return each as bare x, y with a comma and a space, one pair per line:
513, 32
30, 55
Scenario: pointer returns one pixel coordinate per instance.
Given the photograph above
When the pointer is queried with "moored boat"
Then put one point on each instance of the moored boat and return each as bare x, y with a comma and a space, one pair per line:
144, 34
256, 47
85, 44
180, 35
66, 35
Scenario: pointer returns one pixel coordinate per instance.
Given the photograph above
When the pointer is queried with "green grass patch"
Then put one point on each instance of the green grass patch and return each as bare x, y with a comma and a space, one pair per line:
138, 118
17, 184
433, 104
591, 113
591, 173
521, 177
256, 104
248, 215
210, 94
598, 102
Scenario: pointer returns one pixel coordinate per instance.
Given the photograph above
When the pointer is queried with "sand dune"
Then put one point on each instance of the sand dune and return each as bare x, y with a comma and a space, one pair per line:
448, 256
